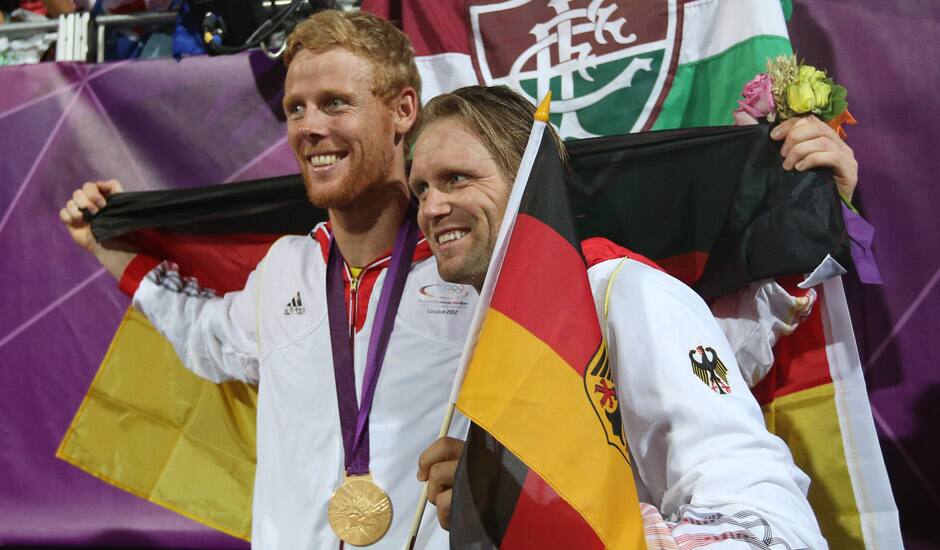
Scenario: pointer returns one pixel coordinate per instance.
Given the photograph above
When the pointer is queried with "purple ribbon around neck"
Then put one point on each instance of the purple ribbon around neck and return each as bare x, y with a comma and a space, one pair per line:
353, 416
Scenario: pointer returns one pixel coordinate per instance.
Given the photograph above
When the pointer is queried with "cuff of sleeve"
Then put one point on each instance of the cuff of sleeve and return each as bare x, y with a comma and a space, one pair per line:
135, 272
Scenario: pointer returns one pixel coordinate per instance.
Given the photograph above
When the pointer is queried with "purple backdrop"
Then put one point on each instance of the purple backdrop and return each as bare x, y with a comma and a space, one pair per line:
207, 120
62, 123
884, 52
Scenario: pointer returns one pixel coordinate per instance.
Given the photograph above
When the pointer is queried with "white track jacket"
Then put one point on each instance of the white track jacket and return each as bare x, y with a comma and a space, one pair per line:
703, 458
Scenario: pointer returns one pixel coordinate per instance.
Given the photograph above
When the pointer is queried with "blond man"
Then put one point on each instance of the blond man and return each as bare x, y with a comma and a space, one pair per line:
706, 470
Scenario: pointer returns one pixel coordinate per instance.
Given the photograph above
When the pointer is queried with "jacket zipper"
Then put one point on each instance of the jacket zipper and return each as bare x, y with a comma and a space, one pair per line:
354, 312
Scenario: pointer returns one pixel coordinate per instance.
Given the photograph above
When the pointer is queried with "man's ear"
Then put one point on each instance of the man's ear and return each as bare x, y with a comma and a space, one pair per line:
405, 106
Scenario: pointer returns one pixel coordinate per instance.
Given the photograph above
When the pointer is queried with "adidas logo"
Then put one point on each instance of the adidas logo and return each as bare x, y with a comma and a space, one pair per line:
295, 306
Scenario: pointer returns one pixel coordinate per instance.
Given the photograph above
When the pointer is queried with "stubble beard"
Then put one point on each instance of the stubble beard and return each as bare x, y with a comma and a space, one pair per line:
471, 268
338, 196
353, 187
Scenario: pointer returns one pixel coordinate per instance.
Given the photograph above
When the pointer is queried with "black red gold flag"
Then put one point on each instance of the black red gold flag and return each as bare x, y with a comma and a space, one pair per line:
556, 473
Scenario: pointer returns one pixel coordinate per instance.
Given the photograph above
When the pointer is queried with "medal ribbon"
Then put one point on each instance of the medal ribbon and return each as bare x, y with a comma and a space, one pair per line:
353, 416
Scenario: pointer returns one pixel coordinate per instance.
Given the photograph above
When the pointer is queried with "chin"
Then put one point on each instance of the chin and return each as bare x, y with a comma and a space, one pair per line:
327, 200
460, 275
327, 196
448, 274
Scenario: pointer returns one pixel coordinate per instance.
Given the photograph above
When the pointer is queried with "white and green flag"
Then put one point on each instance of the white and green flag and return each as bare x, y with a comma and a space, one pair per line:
612, 67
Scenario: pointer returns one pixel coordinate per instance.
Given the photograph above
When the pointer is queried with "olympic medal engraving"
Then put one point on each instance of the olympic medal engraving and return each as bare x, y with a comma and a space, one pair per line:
359, 512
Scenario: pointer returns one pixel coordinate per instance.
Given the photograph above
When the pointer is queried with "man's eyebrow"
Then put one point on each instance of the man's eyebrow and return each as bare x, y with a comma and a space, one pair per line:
330, 92
457, 167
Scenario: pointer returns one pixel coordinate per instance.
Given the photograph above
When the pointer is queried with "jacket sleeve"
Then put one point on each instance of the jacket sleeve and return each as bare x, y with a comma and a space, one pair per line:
215, 337
754, 318
700, 450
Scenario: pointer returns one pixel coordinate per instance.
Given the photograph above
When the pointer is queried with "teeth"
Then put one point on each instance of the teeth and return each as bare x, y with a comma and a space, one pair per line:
323, 160
450, 236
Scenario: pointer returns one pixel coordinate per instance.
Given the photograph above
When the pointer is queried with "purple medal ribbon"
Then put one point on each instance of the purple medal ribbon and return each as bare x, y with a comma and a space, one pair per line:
353, 416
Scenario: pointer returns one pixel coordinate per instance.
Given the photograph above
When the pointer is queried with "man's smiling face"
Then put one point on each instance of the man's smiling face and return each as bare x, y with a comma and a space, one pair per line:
462, 198
342, 135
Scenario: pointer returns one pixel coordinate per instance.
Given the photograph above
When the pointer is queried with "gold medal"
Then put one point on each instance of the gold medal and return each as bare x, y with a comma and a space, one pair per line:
360, 512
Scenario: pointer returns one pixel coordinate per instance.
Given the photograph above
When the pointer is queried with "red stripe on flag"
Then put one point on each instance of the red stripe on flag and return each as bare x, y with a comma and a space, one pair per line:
552, 300
685, 267
800, 360
219, 262
544, 520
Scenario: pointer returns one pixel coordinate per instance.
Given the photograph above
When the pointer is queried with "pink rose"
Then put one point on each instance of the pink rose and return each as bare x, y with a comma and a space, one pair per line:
758, 101
741, 118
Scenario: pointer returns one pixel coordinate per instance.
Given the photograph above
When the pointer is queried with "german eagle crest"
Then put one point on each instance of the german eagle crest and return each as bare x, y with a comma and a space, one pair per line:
710, 370
601, 392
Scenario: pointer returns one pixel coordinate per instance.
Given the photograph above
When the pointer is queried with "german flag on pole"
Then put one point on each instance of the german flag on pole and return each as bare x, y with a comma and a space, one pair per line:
538, 380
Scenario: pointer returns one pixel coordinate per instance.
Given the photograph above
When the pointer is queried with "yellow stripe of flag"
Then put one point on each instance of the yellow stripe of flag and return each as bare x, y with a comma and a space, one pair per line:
535, 404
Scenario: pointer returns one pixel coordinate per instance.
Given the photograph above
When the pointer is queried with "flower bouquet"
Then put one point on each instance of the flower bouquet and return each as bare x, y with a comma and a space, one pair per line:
790, 89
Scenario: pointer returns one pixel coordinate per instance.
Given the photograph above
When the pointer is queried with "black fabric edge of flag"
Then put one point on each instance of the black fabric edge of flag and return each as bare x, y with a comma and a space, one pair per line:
546, 195
280, 206
485, 494
270, 205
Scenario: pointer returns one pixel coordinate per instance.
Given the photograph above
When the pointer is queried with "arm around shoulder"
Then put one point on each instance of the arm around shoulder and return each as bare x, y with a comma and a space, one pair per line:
695, 432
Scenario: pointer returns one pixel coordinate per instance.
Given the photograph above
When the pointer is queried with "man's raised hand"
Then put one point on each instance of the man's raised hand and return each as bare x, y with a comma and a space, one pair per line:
810, 143
92, 196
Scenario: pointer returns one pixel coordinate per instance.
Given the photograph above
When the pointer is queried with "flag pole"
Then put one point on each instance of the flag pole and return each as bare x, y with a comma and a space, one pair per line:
423, 500
492, 273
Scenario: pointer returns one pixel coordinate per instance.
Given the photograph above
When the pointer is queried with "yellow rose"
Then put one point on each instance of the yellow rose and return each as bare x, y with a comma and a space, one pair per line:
809, 73
821, 90
800, 97
809, 90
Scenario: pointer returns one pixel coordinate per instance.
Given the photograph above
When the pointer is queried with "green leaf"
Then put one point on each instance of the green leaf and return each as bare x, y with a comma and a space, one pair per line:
837, 103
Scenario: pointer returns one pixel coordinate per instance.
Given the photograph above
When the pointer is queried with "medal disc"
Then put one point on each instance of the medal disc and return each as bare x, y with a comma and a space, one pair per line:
359, 512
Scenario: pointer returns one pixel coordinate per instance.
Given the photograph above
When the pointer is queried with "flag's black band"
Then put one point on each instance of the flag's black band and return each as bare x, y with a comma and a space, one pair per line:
720, 191
272, 205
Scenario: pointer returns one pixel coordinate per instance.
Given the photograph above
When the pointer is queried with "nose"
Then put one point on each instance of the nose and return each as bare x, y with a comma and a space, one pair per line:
313, 125
436, 204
